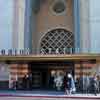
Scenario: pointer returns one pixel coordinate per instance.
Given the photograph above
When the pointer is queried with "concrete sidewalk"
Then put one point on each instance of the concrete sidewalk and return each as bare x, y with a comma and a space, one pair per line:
45, 95
48, 98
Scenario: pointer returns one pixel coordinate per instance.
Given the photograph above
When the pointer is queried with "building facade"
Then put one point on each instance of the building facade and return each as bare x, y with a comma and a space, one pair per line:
23, 23
49, 27
26, 22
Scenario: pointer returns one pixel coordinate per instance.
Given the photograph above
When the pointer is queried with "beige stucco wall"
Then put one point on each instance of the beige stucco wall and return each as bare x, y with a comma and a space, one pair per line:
48, 20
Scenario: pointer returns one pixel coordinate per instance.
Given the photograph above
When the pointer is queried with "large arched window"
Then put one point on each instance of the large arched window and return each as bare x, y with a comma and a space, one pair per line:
58, 41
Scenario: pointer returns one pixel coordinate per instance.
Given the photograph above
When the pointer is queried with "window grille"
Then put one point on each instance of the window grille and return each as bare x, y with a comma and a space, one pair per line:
57, 41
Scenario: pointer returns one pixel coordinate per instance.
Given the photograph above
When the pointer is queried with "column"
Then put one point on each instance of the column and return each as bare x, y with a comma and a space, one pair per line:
27, 29
76, 25
30, 25
84, 26
18, 23
94, 25
6, 10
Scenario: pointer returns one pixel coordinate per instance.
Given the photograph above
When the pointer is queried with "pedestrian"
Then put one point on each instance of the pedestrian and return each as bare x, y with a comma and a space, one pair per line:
95, 84
58, 81
70, 84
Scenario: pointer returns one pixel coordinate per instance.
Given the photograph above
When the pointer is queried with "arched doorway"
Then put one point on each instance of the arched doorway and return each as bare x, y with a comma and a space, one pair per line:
58, 41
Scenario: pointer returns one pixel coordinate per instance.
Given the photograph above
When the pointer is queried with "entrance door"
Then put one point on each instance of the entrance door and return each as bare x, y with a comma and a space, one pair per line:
39, 76
36, 79
42, 73
59, 71
62, 67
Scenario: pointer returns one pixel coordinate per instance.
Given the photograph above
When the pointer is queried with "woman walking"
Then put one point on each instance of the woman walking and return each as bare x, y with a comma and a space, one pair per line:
70, 84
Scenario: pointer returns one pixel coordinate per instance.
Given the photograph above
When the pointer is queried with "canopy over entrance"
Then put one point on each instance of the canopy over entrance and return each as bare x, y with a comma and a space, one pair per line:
28, 58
